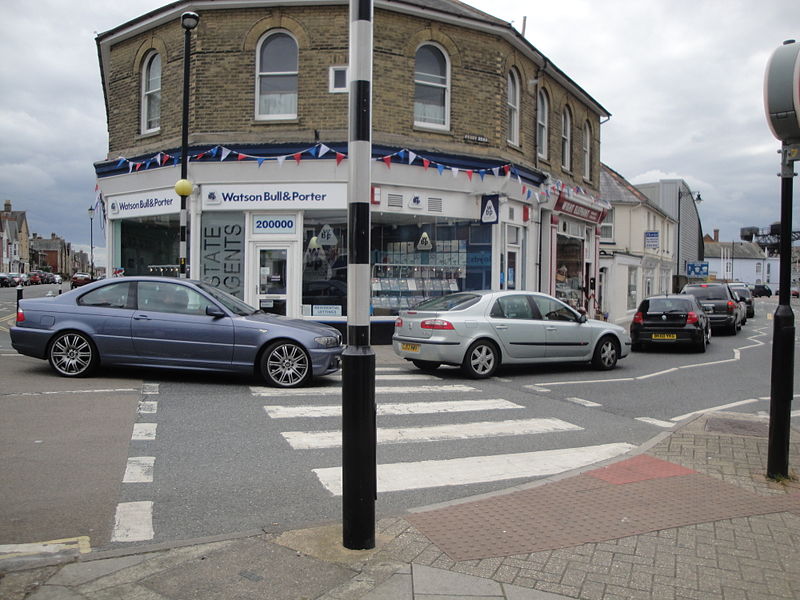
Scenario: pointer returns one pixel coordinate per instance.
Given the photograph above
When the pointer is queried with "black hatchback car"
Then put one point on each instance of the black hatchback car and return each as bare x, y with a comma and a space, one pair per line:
669, 320
720, 303
746, 295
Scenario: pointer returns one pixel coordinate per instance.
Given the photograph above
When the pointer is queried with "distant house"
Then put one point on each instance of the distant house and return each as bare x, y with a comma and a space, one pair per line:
53, 253
740, 261
16, 253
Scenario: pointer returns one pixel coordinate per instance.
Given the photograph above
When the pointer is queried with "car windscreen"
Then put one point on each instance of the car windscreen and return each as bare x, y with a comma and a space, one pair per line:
458, 301
232, 303
665, 305
707, 293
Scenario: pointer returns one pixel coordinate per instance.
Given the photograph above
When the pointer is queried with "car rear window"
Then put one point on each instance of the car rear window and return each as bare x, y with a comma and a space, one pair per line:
743, 292
449, 302
669, 305
707, 293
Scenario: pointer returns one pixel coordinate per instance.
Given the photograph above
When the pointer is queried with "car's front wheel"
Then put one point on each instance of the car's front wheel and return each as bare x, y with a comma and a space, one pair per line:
72, 354
481, 360
606, 354
286, 364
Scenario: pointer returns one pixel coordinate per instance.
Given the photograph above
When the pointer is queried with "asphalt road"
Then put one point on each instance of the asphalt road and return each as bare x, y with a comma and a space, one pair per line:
221, 455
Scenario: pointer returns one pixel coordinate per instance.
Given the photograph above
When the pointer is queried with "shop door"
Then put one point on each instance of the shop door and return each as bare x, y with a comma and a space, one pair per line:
272, 277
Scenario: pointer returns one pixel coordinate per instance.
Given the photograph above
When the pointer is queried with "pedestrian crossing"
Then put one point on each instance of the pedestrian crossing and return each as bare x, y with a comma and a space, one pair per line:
473, 418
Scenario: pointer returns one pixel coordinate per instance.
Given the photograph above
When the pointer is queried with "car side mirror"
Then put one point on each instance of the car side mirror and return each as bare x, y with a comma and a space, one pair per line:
214, 311
582, 319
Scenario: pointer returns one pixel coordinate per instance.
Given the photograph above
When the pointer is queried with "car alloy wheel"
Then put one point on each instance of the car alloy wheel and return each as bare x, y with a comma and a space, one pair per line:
481, 360
286, 364
606, 354
72, 354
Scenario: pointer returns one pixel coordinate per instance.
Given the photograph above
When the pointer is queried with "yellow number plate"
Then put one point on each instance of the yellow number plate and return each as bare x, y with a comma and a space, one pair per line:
409, 347
665, 336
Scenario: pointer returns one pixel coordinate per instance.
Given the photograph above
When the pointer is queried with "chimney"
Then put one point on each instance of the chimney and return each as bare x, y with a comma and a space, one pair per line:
716, 235
7, 206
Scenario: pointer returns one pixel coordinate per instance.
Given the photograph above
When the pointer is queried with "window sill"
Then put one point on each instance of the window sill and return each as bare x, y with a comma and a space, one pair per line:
431, 128
277, 120
149, 134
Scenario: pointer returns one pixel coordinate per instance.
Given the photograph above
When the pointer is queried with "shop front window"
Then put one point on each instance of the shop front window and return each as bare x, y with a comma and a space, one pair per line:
569, 270
324, 286
149, 245
633, 274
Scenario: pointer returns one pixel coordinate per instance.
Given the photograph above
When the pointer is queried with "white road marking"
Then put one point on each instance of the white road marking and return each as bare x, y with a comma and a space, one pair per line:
403, 408
305, 440
139, 469
537, 388
571, 382
81, 543
656, 422
656, 374
714, 409
144, 431
150, 388
477, 469
396, 377
333, 391
133, 522
147, 407
52, 393
583, 402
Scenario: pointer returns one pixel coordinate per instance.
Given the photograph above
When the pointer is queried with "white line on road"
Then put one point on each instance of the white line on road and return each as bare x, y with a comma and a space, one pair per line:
477, 469
150, 388
53, 392
714, 409
537, 388
551, 383
144, 431
404, 408
139, 469
147, 407
656, 422
133, 522
583, 402
395, 377
305, 440
332, 391
656, 374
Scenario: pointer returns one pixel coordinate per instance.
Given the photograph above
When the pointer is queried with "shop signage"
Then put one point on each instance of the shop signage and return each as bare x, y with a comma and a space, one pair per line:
651, 240
490, 208
222, 252
281, 196
578, 210
144, 204
697, 269
274, 224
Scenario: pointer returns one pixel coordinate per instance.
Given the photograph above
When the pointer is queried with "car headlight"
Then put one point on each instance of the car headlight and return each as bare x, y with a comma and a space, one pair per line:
327, 341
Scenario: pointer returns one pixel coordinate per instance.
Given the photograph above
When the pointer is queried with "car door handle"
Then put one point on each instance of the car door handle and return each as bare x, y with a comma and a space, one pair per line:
551, 328
141, 318
501, 326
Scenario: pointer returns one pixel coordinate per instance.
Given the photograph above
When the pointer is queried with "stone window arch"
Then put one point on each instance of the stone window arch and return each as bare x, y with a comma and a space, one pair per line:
431, 86
277, 71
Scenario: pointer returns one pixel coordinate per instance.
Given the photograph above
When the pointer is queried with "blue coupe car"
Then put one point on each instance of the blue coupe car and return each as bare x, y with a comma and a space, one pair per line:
171, 323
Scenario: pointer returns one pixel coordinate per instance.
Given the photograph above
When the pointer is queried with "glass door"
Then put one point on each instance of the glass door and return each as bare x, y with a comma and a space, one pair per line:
272, 279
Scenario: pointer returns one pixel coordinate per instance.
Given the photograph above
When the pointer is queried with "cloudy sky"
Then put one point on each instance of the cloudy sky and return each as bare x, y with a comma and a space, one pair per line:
682, 79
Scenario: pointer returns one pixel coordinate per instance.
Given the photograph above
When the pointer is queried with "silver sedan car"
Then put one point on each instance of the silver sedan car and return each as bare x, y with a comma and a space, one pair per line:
481, 330
171, 323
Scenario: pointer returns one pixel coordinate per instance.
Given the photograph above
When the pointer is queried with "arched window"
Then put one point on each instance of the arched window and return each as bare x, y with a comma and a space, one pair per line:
151, 93
542, 124
587, 151
276, 85
513, 107
566, 139
431, 88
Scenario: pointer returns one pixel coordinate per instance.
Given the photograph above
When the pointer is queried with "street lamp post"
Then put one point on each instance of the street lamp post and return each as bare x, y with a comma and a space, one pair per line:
91, 242
183, 187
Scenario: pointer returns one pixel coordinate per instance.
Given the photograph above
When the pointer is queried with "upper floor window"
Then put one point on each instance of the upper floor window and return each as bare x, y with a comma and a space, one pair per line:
587, 151
431, 88
566, 139
151, 93
607, 227
513, 107
276, 94
542, 123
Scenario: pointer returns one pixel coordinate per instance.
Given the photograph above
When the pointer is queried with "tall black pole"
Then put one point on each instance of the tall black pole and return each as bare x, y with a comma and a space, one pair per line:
189, 21
782, 386
359, 437
91, 245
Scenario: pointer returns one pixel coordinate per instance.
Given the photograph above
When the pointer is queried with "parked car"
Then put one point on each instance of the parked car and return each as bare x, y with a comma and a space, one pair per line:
746, 295
479, 331
669, 320
35, 277
720, 303
760, 290
5, 280
795, 292
80, 279
164, 323
19, 279
57, 278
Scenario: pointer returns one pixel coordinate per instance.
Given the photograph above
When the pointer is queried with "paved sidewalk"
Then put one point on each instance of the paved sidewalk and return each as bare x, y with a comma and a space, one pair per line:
689, 515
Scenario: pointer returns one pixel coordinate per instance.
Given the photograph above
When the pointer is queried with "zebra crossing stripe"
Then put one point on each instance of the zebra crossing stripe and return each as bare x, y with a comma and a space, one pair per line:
144, 431
336, 390
399, 408
394, 377
477, 469
133, 522
139, 469
306, 440
656, 422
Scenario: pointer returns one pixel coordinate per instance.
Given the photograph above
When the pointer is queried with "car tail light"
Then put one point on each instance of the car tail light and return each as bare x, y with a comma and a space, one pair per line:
398, 323
638, 318
692, 317
436, 324
20, 315
731, 306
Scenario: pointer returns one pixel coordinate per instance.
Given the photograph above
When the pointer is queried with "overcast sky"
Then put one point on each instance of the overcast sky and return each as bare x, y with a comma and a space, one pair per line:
683, 80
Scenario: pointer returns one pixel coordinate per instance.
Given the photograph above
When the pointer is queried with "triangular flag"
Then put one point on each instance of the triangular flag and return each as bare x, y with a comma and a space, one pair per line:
261, 161
388, 160
312, 151
402, 154
280, 160
225, 153
213, 152
482, 173
174, 160
426, 163
199, 156
524, 189
469, 174
121, 162
440, 168
411, 157
339, 158
496, 171
241, 156
506, 169
323, 150
138, 166
130, 167
298, 156
455, 171
164, 158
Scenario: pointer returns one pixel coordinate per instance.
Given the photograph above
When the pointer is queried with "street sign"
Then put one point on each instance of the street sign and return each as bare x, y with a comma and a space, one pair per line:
697, 269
